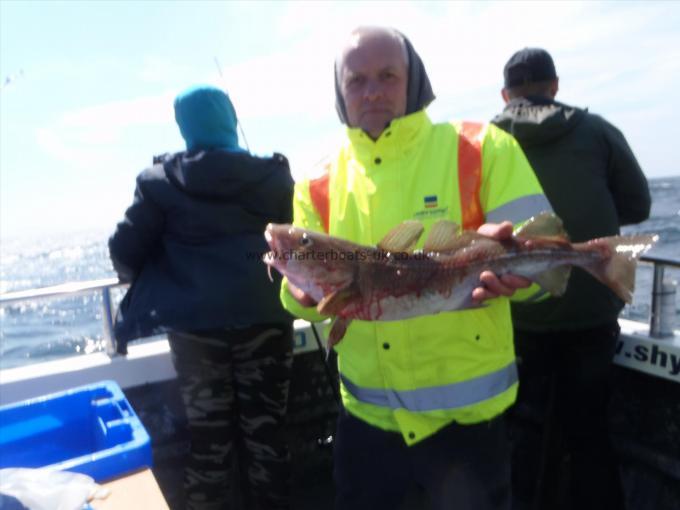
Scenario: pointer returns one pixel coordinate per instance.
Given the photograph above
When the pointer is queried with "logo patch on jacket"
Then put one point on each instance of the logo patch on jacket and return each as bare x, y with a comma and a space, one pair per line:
431, 208
430, 201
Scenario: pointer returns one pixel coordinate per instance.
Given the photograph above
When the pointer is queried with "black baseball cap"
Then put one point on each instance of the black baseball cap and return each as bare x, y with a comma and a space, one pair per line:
527, 66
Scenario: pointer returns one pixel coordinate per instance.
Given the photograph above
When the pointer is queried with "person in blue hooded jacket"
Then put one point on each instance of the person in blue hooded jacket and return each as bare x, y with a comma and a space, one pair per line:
190, 245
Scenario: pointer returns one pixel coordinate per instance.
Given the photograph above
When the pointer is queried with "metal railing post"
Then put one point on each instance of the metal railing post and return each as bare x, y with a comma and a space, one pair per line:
657, 285
107, 319
663, 304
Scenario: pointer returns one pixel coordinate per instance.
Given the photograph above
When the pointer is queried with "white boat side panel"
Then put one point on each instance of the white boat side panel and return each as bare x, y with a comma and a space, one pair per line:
655, 356
144, 364
304, 336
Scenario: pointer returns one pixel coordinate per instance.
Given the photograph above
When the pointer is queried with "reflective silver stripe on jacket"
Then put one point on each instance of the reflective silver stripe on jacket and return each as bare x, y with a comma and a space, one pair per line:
519, 210
448, 396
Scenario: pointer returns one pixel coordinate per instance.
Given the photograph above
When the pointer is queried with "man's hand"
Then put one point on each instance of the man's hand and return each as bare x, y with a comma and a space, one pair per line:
300, 295
492, 286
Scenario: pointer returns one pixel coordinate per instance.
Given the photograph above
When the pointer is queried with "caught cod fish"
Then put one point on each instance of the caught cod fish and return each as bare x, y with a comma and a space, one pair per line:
394, 282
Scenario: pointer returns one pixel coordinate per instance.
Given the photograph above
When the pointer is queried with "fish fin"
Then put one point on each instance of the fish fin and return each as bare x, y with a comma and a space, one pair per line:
335, 302
554, 280
617, 271
443, 237
402, 238
545, 224
337, 332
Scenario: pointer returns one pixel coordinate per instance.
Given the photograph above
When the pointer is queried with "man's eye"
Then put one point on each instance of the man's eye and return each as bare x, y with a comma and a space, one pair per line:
355, 80
305, 241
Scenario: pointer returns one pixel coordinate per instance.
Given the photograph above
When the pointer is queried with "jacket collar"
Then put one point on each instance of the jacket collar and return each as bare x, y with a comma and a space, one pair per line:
401, 134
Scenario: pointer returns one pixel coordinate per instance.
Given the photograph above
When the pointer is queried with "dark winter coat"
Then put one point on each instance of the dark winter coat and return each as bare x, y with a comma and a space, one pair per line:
191, 244
594, 183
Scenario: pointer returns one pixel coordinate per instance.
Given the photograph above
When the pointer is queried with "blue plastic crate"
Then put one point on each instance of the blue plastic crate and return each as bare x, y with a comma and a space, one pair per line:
90, 429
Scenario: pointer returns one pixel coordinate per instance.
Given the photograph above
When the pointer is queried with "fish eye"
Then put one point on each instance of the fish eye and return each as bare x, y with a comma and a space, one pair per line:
305, 240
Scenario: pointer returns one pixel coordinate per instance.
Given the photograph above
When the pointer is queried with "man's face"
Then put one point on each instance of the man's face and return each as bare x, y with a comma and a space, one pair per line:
373, 82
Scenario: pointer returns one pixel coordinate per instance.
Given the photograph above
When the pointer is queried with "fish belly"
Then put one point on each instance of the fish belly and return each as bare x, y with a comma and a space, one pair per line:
427, 302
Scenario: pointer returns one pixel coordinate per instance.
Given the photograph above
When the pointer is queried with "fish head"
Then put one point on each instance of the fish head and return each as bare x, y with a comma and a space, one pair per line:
310, 259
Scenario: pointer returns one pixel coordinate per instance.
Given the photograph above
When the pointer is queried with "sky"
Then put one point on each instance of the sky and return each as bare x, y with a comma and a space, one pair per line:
87, 87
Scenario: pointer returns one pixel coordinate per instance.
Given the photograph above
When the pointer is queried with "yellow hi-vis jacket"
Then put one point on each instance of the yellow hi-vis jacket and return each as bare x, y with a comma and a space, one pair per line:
417, 375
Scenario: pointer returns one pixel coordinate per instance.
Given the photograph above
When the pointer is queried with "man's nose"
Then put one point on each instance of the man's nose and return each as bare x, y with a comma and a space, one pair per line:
373, 90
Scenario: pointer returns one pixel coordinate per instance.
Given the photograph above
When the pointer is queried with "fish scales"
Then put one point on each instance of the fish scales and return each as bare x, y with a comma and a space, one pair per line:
409, 285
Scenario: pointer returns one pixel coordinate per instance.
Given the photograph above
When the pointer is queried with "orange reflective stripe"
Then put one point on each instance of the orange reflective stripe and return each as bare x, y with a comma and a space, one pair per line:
318, 191
470, 174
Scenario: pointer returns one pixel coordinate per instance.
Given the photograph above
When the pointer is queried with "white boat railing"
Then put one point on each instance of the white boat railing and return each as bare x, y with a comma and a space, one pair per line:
73, 289
145, 363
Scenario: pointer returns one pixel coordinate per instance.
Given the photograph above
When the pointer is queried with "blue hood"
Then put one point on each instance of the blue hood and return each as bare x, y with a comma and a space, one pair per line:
206, 119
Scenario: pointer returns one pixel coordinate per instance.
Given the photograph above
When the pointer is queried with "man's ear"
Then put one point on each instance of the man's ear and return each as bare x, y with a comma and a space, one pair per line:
554, 87
505, 96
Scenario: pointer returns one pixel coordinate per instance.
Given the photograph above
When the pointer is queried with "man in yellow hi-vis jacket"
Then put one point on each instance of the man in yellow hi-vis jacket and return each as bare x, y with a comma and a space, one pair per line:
423, 398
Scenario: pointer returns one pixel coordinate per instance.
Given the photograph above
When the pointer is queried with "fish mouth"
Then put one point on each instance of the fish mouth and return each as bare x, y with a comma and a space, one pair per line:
271, 239
273, 257
270, 258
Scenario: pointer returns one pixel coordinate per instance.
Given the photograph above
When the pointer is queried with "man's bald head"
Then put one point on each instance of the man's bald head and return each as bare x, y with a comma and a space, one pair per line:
362, 35
372, 77
374, 41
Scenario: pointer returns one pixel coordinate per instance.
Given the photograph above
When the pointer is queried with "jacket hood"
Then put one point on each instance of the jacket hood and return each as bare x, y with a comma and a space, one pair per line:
538, 120
219, 174
206, 118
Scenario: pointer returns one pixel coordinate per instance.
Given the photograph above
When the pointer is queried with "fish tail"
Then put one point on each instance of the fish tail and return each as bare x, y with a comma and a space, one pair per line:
616, 268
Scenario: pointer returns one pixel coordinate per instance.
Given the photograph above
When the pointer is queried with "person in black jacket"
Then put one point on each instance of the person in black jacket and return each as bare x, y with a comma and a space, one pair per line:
191, 245
562, 456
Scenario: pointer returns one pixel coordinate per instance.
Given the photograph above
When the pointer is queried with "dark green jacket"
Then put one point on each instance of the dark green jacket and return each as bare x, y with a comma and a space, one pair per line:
594, 183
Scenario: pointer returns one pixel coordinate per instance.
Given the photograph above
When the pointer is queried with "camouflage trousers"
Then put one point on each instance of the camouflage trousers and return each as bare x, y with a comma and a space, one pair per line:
234, 386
